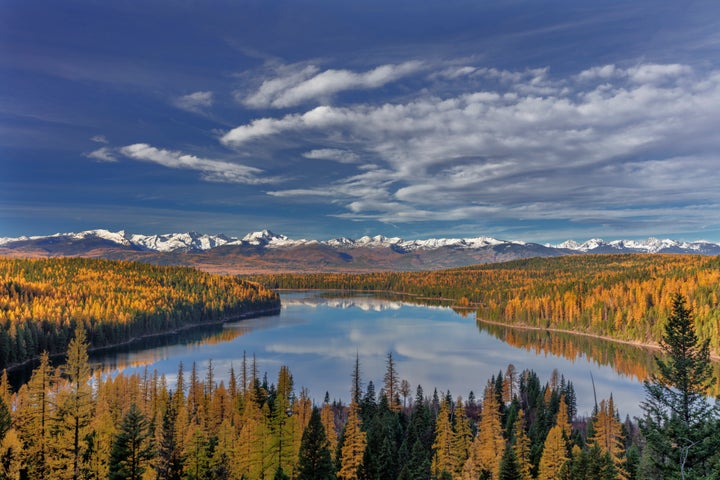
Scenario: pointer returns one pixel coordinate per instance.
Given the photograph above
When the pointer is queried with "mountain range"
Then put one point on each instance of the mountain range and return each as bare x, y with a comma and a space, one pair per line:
265, 251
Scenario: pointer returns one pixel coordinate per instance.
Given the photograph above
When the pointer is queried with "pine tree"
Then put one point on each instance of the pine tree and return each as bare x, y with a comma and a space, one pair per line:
608, 436
509, 466
353, 447
73, 415
5, 419
443, 459
33, 418
169, 461
315, 462
328, 420
554, 456
392, 384
522, 447
132, 447
489, 444
680, 426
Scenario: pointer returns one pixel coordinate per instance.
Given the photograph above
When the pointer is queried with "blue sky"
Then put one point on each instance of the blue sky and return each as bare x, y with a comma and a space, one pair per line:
533, 120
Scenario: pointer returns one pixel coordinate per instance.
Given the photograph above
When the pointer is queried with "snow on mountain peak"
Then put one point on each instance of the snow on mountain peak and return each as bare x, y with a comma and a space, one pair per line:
193, 241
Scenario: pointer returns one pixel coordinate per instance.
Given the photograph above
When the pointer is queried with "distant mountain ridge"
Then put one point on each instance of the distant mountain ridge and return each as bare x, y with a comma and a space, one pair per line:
266, 251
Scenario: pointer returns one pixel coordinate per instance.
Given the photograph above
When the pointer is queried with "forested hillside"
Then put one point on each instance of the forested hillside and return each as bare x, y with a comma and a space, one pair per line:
42, 302
624, 297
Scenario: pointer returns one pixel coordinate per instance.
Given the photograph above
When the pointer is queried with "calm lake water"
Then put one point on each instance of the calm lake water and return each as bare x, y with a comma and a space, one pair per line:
318, 337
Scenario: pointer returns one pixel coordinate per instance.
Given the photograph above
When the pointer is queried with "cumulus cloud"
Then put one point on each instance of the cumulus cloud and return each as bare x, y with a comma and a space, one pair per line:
196, 102
104, 154
99, 139
211, 170
530, 145
294, 88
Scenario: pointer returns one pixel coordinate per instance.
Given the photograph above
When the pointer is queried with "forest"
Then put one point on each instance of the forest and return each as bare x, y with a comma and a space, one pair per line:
67, 422
625, 297
43, 301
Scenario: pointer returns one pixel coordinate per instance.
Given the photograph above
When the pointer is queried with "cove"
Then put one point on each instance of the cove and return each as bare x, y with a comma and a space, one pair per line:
318, 335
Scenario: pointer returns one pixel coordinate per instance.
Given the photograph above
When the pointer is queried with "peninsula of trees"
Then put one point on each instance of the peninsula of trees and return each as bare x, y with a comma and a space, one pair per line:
43, 301
624, 297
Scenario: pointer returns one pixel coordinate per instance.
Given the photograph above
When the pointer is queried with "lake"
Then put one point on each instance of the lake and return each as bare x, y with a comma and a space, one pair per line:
318, 336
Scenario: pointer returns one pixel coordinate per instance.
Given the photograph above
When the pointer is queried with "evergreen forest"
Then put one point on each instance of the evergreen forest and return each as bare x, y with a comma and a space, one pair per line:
42, 302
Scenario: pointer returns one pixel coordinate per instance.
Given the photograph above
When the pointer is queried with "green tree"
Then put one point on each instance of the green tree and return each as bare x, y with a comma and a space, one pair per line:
509, 466
5, 420
680, 426
315, 462
169, 462
132, 447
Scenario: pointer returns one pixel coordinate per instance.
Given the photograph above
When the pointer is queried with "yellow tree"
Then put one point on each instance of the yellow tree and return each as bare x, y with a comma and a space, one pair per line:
443, 459
489, 444
522, 446
327, 417
353, 448
33, 418
462, 441
74, 412
609, 437
554, 456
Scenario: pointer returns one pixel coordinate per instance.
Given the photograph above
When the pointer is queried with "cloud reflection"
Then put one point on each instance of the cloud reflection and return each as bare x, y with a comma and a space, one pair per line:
318, 339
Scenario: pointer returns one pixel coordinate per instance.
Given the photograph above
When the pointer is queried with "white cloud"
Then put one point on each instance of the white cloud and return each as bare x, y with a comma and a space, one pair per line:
195, 102
334, 154
211, 170
294, 88
99, 139
104, 154
531, 145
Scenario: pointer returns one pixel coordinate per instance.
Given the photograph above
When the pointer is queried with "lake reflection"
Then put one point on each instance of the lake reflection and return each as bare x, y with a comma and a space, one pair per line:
318, 338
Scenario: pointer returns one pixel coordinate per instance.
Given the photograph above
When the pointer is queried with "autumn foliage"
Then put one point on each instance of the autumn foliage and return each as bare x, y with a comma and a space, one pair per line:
42, 301
624, 297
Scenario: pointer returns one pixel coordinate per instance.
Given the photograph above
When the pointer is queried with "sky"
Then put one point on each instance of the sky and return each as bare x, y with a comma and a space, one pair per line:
533, 120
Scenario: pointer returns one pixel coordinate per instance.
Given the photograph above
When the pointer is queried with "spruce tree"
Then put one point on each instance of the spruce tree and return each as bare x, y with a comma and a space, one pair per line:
132, 447
680, 426
509, 466
315, 462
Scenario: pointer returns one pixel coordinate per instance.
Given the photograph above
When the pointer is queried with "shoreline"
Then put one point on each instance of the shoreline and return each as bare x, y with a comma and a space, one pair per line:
715, 357
243, 316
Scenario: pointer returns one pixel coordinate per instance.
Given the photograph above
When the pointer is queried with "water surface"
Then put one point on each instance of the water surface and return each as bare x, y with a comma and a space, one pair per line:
318, 337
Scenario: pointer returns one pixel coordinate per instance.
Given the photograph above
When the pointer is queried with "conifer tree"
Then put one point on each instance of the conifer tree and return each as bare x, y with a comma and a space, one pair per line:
509, 466
315, 461
328, 420
489, 444
74, 411
132, 447
5, 419
554, 457
33, 418
522, 447
169, 461
443, 459
608, 436
679, 425
462, 441
392, 384
353, 447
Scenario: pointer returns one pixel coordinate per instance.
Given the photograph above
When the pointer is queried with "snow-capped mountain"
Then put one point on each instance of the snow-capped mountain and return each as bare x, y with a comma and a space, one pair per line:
265, 251
193, 241
651, 245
